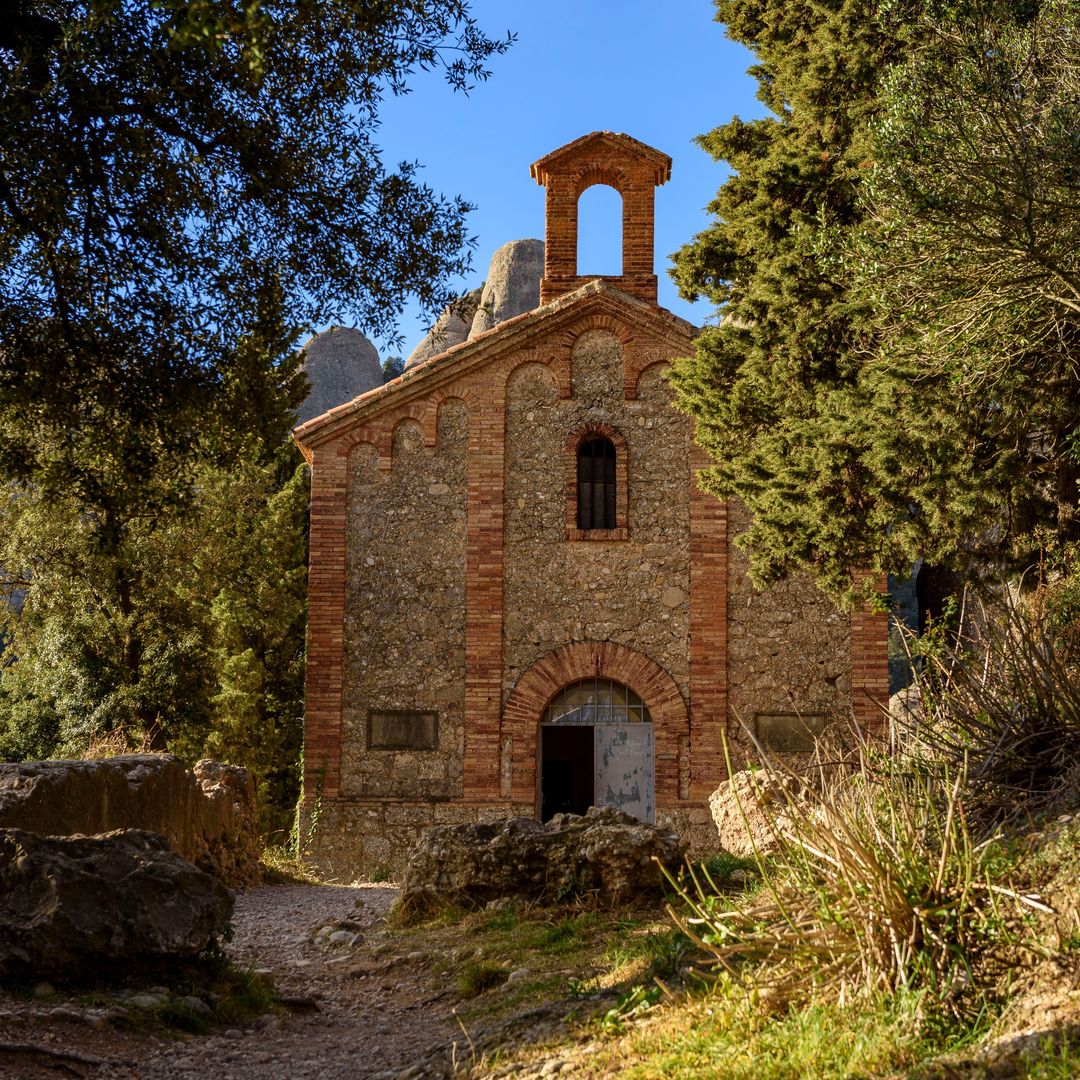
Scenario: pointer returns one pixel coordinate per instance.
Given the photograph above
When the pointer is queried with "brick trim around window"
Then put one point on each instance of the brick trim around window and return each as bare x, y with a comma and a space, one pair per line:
622, 483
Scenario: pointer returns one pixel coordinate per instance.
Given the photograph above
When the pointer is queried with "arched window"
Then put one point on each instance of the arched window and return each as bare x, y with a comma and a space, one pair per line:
596, 486
592, 701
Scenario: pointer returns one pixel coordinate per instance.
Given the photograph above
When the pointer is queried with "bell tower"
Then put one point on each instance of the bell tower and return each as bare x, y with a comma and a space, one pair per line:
633, 170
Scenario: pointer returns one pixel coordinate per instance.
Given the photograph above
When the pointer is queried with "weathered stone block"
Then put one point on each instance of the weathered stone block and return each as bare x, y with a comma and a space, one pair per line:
73, 907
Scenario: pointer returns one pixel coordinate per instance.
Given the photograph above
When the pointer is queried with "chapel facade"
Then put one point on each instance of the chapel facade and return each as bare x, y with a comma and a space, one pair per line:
520, 602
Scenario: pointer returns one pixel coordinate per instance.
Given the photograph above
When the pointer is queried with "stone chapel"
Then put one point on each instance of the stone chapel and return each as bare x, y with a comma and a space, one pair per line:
520, 603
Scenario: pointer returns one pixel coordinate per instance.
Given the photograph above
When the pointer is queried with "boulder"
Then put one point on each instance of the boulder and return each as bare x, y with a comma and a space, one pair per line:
209, 817
340, 364
607, 854
750, 809
512, 286
906, 708
451, 328
73, 907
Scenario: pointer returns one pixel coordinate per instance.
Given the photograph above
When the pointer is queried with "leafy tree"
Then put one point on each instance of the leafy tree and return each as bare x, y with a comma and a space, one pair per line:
392, 367
204, 652
970, 259
184, 187
852, 446
176, 176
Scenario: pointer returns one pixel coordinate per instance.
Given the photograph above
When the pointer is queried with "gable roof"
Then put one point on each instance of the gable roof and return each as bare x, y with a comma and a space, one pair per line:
616, 141
595, 296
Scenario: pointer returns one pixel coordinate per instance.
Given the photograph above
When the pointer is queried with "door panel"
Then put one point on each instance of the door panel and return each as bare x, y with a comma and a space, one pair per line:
623, 760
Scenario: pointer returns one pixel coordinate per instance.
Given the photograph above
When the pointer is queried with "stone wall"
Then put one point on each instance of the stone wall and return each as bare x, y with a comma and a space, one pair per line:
347, 839
789, 647
208, 814
405, 608
634, 592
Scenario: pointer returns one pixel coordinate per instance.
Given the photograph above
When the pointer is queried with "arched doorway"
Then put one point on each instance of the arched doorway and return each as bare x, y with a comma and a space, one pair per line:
596, 749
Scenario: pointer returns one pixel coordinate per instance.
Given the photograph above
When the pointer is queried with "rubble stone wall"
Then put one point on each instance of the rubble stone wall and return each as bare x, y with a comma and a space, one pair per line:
405, 608
352, 838
634, 592
789, 647
207, 815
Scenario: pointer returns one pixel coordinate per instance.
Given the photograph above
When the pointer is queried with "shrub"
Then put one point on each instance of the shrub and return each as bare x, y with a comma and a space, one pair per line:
1001, 703
878, 887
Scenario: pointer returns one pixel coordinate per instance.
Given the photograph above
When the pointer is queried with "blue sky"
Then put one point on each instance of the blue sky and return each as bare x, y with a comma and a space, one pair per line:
662, 72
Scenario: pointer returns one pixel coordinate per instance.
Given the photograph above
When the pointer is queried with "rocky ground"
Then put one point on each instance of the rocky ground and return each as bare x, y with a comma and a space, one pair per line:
352, 1006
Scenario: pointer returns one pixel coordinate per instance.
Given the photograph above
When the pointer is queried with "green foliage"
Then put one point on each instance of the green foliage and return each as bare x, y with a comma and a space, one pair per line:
473, 979
187, 630
891, 375
764, 383
879, 888
392, 367
186, 186
180, 177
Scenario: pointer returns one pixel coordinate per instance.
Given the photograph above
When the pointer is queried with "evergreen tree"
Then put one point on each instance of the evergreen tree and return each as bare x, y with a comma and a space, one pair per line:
764, 383
836, 396
188, 635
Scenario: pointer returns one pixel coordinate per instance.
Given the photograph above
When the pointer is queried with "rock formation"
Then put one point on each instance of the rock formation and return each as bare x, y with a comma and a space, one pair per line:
340, 364
208, 816
749, 810
451, 328
512, 286
72, 907
606, 854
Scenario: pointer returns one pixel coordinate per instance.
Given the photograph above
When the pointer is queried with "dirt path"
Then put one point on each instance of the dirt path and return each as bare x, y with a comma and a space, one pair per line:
370, 1012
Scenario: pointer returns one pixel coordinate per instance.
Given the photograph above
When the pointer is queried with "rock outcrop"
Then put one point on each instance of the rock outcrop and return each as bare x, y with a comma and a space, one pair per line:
74, 907
606, 854
451, 328
340, 364
207, 816
749, 811
512, 286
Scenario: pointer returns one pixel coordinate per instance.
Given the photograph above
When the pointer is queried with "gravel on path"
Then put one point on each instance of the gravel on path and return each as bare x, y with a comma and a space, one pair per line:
368, 1014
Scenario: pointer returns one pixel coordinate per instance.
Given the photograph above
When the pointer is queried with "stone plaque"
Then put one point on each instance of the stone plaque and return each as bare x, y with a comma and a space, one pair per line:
403, 730
788, 733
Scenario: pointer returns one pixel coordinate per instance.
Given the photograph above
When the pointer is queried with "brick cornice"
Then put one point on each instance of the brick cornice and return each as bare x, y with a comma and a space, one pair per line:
596, 299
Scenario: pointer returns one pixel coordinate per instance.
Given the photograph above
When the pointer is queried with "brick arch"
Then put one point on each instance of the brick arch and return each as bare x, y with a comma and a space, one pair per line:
597, 321
644, 366
597, 174
533, 362
379, 437
434, 406
584, 660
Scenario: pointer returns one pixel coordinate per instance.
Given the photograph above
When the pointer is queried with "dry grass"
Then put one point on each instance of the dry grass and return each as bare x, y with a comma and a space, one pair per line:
1001, 701
878, 887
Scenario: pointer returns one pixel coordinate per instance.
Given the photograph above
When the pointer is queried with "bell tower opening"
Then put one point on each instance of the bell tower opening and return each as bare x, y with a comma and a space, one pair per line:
600, 223
634, 170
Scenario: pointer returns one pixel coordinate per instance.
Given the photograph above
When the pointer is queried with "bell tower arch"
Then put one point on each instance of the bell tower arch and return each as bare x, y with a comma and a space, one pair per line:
634, 170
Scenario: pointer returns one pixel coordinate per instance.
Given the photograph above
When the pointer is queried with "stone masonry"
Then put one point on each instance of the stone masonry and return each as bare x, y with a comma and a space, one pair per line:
452, 594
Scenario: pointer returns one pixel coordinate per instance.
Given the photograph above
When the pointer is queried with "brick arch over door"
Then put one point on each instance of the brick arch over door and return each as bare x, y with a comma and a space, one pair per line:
584, 660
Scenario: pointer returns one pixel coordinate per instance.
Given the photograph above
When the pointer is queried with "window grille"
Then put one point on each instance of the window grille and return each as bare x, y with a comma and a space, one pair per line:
596, 484
593, 701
